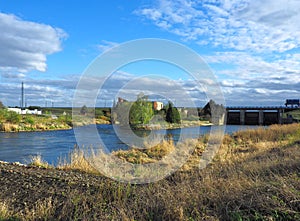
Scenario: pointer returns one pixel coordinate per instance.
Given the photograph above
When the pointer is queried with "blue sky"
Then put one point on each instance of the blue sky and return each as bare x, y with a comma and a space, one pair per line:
251, 46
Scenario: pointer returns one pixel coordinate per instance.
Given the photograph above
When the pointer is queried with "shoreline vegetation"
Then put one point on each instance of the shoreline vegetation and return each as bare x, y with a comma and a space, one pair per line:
53, 125
255, 175
13, 122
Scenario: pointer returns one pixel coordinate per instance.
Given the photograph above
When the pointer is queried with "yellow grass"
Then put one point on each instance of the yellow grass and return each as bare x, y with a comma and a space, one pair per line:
77, 161
254, 176
38, 161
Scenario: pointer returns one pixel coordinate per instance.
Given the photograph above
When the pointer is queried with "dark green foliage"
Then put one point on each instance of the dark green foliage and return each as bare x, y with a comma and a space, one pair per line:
34, 108
173, 115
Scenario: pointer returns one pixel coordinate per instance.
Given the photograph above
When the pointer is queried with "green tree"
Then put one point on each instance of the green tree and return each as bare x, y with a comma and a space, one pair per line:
141, 111
172, 115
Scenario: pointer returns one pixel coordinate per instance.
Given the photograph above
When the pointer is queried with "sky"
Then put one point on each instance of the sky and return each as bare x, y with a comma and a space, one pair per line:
252, 47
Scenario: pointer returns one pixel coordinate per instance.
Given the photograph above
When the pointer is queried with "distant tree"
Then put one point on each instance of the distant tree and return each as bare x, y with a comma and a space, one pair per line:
84, 110
1, 105
119, 113
172, 115
34, 107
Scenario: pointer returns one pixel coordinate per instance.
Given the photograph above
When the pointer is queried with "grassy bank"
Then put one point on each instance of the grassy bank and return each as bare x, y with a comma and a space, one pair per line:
36, 123
53, 119
254, 176
165, 125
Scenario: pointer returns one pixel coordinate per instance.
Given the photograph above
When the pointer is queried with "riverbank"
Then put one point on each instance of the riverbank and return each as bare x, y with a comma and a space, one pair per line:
254, 176
10, 127
50, 124
168, 126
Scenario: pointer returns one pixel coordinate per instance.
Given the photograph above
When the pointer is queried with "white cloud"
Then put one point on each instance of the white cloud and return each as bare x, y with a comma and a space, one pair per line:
251, 79
106, 45
24, 45
12, 75
259, 26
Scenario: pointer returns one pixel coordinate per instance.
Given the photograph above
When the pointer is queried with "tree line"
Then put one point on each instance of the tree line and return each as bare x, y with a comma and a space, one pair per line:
141, 111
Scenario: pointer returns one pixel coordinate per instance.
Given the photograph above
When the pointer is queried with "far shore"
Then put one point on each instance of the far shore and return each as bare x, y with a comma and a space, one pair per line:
14, 128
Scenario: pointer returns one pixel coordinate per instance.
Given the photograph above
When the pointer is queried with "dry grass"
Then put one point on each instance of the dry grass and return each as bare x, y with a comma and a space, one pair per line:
148, 154
38, 161
254, 176
5, 213
273, 133
77, 161
42, 210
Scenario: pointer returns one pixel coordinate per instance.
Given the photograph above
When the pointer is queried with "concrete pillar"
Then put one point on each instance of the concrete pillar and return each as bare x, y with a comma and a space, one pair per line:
261, 117
242, 117
280, 114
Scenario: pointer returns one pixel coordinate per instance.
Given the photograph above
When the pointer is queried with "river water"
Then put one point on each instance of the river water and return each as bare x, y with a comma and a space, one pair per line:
55, 145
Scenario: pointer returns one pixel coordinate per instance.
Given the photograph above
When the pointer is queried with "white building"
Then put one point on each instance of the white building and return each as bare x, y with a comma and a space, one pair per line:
158, 105
25, 111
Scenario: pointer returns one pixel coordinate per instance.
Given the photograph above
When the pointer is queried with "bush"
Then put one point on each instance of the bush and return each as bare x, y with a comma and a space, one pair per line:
13, 117
3, 115
29, 120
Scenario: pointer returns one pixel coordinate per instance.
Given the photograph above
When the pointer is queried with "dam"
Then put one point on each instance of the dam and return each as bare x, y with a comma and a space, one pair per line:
257, 115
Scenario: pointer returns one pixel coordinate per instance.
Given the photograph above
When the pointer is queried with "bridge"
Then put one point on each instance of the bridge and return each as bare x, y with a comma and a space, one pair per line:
258, 115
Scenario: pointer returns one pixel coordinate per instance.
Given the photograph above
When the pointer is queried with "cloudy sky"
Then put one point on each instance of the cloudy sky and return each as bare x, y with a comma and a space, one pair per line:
252, 47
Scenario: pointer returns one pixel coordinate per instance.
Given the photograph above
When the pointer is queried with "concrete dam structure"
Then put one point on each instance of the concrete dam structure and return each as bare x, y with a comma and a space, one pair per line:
256, 115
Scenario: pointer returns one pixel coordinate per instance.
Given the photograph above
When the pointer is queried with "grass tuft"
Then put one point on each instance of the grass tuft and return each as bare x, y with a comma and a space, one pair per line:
77, 161
38, 161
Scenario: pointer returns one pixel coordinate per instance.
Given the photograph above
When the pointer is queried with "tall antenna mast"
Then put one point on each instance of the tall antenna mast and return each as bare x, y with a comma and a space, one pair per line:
22, 95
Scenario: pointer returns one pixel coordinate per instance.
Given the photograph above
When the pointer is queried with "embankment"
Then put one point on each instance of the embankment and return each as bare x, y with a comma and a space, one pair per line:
254, 176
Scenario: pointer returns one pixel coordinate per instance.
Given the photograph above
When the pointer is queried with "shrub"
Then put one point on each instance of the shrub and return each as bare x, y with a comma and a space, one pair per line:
14, 117
29, 120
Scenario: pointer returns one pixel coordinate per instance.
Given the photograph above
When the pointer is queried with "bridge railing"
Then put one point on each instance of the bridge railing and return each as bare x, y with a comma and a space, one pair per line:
260, 107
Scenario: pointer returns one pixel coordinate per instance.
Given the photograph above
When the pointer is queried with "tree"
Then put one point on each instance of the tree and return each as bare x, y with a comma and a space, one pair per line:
84, 110
173, 115
141, 111
1, 105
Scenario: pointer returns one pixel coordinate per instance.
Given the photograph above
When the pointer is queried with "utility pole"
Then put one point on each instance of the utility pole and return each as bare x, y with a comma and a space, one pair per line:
22, 96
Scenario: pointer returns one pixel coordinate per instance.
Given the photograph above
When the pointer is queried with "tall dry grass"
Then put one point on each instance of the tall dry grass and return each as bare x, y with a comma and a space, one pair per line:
77, 161
254, 176
38, 161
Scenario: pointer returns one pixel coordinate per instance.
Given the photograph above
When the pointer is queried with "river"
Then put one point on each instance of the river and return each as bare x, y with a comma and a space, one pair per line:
55, 145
